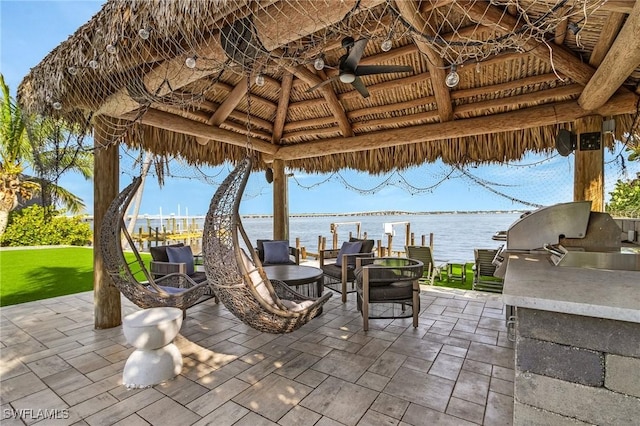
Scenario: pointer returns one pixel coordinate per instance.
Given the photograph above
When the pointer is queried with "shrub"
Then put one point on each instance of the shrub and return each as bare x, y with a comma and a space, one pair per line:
32, 226
625, 198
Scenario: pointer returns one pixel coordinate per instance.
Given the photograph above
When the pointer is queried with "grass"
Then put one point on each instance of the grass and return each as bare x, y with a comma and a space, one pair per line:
34, 274
467, 284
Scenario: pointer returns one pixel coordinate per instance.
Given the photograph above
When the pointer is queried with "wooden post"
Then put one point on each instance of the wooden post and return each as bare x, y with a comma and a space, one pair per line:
413, 239
280, 202
424, 240
431, 240
407, 236
106, 297
588, 181
390, 243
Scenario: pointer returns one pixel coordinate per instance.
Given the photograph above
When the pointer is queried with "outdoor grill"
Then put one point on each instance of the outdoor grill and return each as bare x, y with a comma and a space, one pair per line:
571, 235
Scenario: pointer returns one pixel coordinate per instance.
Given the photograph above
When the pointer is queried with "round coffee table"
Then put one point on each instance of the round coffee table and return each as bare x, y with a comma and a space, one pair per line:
297, 275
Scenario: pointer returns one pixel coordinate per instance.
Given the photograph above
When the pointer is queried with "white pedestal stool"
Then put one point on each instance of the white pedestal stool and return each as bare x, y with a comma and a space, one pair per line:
156, 359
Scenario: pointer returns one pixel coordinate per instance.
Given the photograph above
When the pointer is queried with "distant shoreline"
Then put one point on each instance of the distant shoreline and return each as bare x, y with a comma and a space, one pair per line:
389, 213
374, 213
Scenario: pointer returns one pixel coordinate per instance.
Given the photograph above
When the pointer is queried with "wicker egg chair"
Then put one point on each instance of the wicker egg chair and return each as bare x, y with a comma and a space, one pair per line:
172, 290
239, 281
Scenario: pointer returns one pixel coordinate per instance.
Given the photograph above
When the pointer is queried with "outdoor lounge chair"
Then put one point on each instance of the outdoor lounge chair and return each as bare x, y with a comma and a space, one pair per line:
239, 280
176, 290
339, 275
483, 271
277, 252
432, 268
391, 283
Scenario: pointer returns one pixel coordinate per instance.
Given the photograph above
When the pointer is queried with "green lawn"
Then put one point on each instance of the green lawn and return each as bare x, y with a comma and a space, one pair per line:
34, 274
466, 285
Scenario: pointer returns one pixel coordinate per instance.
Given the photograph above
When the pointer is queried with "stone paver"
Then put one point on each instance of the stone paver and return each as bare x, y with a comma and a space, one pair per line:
456, 368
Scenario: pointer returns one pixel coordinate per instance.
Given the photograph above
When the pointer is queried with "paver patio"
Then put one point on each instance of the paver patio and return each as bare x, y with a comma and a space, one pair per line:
455, 368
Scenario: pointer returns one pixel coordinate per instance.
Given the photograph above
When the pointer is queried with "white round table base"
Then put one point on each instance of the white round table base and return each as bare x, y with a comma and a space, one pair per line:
146, 368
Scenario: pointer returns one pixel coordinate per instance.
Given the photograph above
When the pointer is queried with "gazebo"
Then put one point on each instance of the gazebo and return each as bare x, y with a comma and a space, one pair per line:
324, 85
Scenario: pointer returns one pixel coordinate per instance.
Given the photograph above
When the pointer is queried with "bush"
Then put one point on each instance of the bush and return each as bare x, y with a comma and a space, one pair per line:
32, 226
625, 198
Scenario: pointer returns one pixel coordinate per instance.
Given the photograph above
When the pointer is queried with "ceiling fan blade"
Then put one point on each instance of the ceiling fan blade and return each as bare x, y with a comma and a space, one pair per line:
381, 69
322, 83
360, 87
355, 53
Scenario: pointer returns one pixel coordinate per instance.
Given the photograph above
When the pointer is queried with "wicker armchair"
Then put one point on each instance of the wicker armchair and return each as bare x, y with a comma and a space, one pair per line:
173, 290
386, 284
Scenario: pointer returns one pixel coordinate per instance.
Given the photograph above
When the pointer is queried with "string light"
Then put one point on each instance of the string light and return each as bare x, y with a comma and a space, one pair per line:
319, 63
386, 45
144, 33
72, 70
453, 78
57, 106
260, 80
190, 62
94, 64
111, 49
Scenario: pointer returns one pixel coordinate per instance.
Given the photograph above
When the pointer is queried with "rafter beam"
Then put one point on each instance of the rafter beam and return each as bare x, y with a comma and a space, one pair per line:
176, 123
332, 100
283, 106
609, 32
562, 27
226, 107
410, 12
562, 112
618, 64
563, 60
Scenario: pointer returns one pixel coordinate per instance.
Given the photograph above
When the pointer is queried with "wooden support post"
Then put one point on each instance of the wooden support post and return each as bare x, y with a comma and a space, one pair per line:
413, 239
280, 202
106, 297
423, 240
407, 237
431, 240
390, 243
588, 181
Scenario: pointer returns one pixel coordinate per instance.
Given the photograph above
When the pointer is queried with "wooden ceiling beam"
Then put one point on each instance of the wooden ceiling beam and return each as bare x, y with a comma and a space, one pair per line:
609, 32
176, 123
305, 124
560, 33
254, 98
518, 100
283, 106
409, 10
543, 115
502, 87
378, 87
400, 106
332, 100
428, 116
226, 108
560, 57
622, 58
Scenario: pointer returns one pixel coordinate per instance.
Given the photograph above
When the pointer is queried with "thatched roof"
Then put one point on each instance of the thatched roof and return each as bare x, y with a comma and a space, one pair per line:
173, 76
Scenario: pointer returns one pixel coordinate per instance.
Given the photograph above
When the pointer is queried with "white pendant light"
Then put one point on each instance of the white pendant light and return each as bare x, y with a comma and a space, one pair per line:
452, 78
319, 63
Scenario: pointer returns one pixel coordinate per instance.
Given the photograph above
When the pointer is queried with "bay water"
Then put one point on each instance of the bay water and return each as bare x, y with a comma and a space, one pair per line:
456, 234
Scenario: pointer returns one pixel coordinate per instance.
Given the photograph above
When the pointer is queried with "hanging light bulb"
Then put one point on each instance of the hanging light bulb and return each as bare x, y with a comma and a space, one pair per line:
72, 70
453, 78
111, 49
57, 105
94, 64
386, 45
143, 33
319, 63
190, 62
260, 80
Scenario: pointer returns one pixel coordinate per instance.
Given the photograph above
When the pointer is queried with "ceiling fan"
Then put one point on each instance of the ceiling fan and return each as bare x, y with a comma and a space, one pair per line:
350, 71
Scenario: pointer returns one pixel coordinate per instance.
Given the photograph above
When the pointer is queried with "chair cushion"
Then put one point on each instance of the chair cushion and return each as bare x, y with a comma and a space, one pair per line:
348, 247
159, 253
168, 289
399, 290
336, 271
260, 247
181, 255
367, 245
257, 280
276, 252
296, 306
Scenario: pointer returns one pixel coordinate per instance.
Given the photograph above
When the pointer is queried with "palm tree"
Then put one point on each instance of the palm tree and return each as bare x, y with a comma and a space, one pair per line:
57, 148
15, 154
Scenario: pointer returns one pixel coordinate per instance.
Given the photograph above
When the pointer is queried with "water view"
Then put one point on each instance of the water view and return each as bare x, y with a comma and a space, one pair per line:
455, 234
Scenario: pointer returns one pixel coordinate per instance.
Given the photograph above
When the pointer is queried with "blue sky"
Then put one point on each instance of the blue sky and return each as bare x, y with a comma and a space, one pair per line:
31, 29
